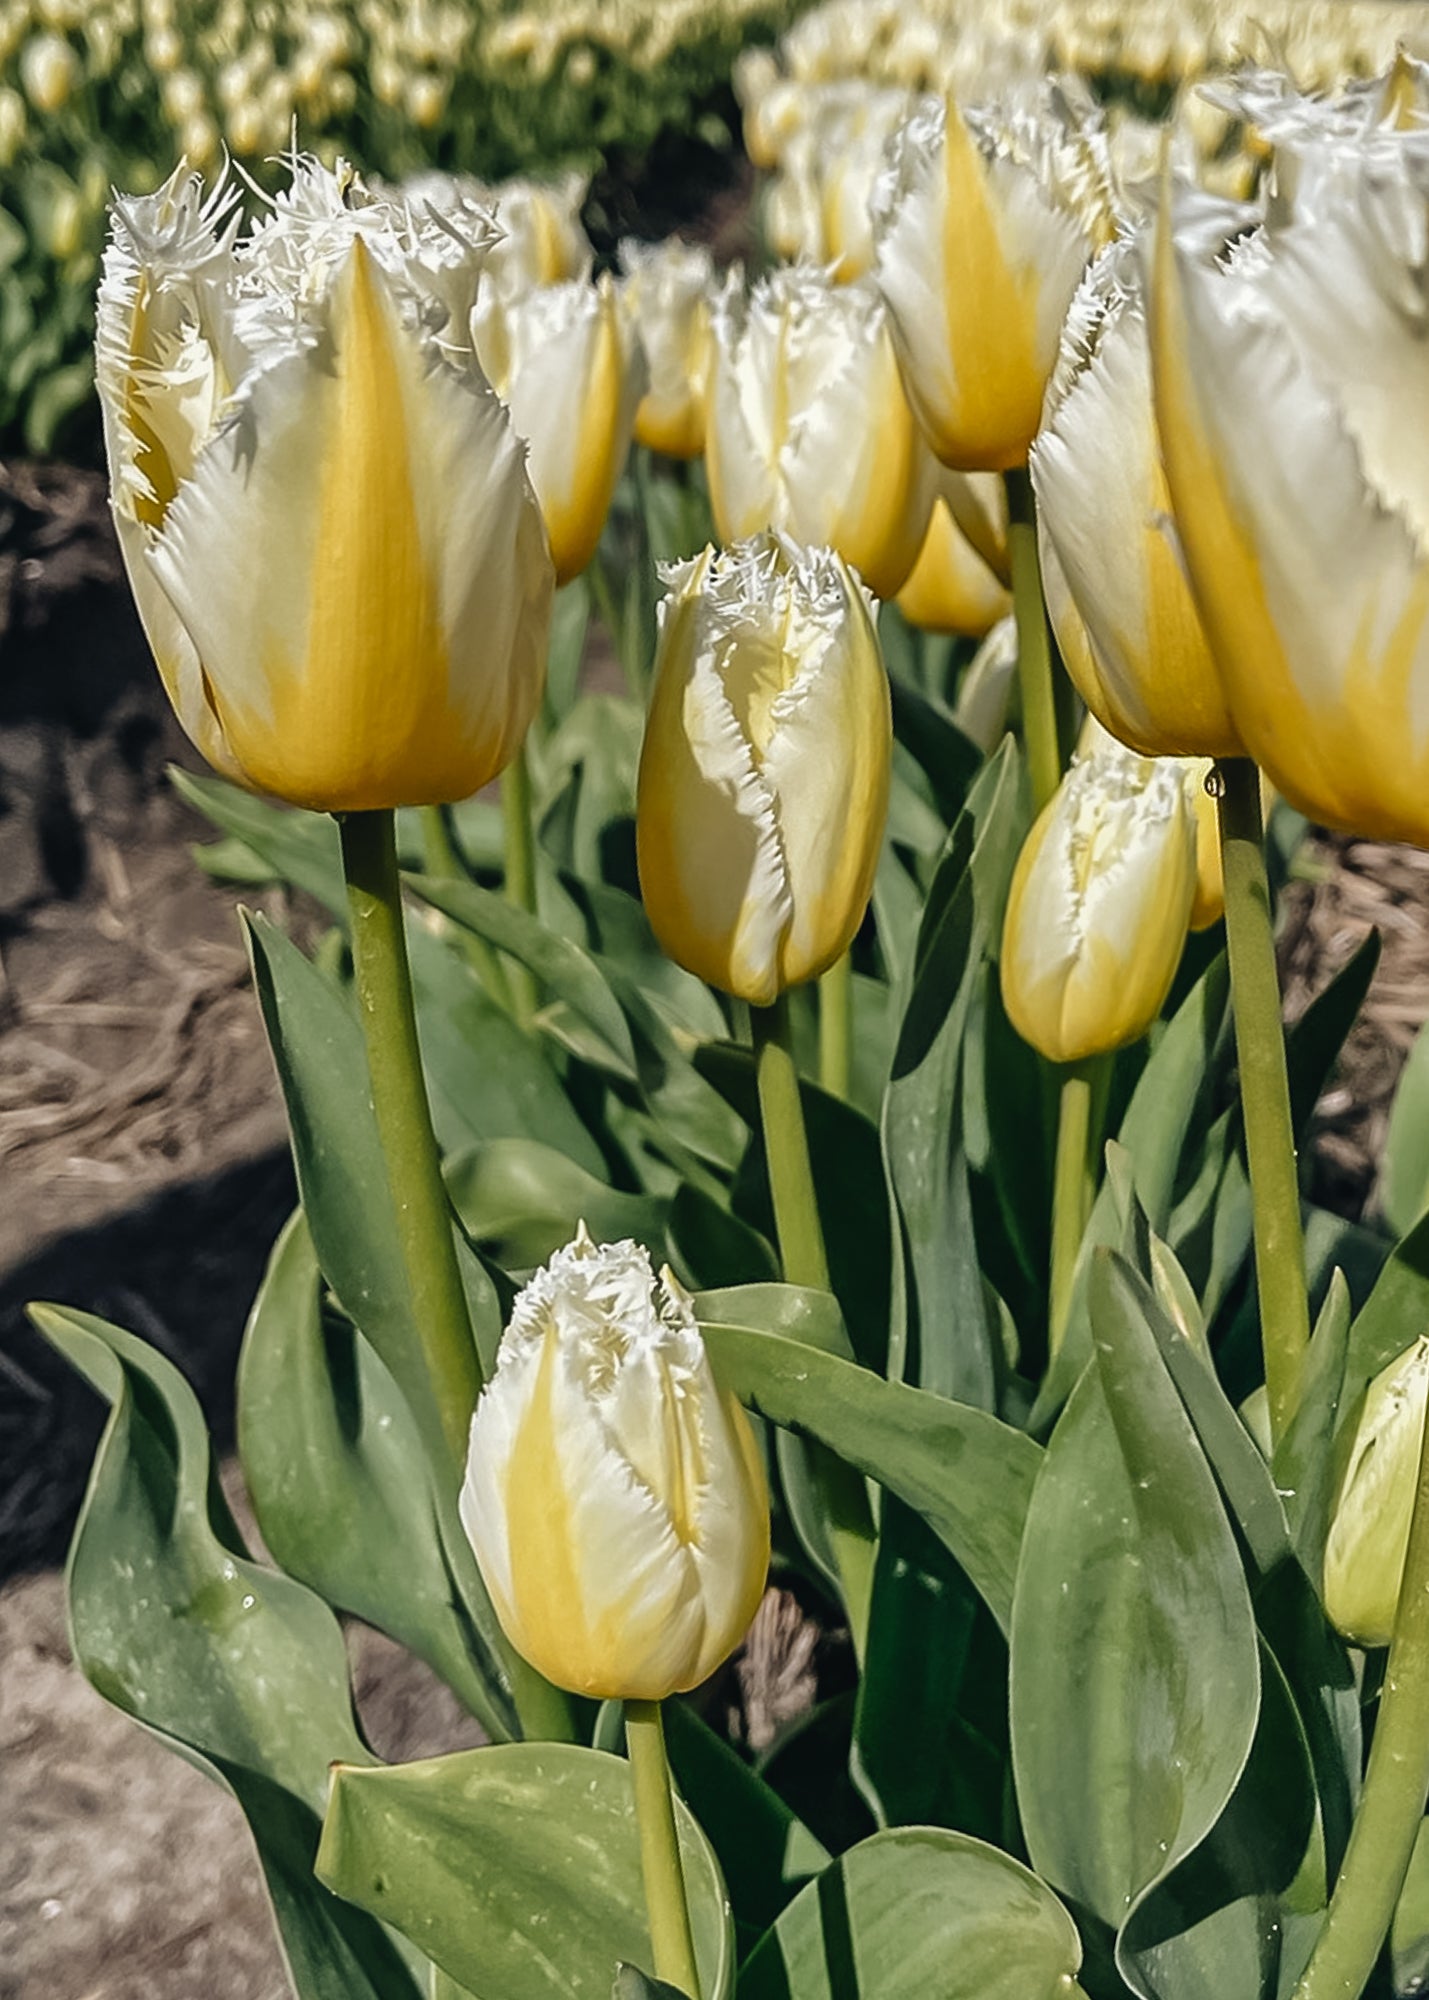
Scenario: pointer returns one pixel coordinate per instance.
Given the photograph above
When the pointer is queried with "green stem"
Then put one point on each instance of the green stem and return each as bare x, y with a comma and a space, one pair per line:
801, 1251
1264, 1091
1396, 1788
836, 1027
1034, 650
665, 1900
520, 846
404, 1125
444, 858
1073, 1188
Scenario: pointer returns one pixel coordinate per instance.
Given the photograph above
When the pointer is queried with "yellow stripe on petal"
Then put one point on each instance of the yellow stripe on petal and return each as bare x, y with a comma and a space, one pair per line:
548, 1602
575, 511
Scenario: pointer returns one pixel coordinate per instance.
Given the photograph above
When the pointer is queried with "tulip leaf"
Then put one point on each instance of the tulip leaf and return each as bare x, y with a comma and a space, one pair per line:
341, 1488
173, 1623
1135, 1684
968, 1475
516, 1869
950, 760
520, 1201
940, 1334
1404, 1167
620, 937
565, 971
709, 1246
1313, 1043
916, 1912
298, 847
1409, 1933
1304, 1462
633, 1984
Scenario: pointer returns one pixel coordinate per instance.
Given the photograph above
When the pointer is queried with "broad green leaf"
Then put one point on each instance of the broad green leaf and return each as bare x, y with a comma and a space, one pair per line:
918, 1913
1404, 1169
516, 1868
708, 1246
587, 782
968, 1475
520, 1201
565, 971
173, 1623
340, 1484
298, 847
1135, 1683
618, 932
1325, 1686
1305, 1458
950, 760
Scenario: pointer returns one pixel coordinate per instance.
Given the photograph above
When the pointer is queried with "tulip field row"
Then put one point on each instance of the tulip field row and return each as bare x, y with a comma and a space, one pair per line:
816, 1113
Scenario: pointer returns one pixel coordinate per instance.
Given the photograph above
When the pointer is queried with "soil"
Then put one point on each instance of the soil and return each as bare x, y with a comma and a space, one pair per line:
144, 1176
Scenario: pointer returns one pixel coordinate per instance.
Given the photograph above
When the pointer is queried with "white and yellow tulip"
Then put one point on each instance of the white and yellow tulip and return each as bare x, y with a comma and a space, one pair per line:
667, 290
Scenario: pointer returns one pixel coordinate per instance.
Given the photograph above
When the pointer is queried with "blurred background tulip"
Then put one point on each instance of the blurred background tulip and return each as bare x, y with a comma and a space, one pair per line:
614, 1495
1100, 902
1115, 582
809, 430
1296, 444
764, 775
323, 509
950, 588
983, 222
1369, 1527
667, 291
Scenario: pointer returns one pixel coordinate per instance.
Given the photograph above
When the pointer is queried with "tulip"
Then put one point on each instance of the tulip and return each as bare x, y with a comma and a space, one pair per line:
764, 774
1369, 1527
1099, 905
614, 1495
49, 70
950, 588
983, 223
1115, 584
321, 506
542, 241
668, 293
985, 690
1296, 450
809, 430
570, 368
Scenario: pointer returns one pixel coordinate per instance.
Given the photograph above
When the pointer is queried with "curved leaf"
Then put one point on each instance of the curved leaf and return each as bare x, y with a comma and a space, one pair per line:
520, 1201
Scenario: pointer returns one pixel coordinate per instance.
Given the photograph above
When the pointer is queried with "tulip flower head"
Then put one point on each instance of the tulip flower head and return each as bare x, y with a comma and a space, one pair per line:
322, 508
1115, 583
614, 1495
983, 224
764, 774
950, 588
667, 291
1101, 898
809, 430
1369, 1527
1294, 425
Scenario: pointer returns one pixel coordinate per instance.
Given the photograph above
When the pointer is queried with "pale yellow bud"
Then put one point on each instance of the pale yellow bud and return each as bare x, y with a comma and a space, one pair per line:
1369, 1529
49, 70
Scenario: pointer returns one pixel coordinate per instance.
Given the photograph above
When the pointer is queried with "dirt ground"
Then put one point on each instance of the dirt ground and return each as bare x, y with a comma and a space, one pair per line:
143, 1175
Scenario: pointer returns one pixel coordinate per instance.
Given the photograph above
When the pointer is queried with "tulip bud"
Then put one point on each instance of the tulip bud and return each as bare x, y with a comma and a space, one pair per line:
542, 241
809, 430
764, 773
668, 294
983, 223
49, 69
322, 507
614, 1495
1116, 587
1369, 1528
13, 122
1099, 906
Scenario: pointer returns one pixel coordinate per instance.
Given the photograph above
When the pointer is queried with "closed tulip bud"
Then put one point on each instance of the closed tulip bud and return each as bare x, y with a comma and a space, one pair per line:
1296, 446
13, 122
668, 292
1115, 583
542, 241
764, 774
983, 223
321, 505
985, 690
951, 589
1099, 906
1369, 1528
569, 366
49, 70
809, 430
614, 1495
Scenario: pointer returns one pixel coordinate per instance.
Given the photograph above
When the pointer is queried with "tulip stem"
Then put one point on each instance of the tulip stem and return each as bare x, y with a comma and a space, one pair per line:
836, 1027
1396, 1788
404, 1125
665, 1900
443, 857
1264, 1090
1034, 649
1074, 1185
847, 1514
519, 825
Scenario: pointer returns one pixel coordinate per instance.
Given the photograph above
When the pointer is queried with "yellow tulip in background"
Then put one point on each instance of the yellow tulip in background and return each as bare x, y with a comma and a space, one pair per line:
667, 291
1369, 1527
950, 588
1289, 398
568, 364
323, 509
614, 1495
764, 774
1100, 902
983, 222
1115, 583
809, 430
